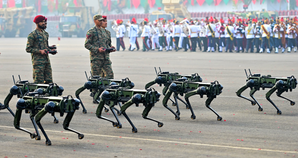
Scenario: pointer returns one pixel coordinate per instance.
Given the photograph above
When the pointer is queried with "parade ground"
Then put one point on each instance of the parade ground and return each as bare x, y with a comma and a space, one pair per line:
243, 132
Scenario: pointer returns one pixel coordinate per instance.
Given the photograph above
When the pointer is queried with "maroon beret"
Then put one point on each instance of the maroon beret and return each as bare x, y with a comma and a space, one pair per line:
39, 18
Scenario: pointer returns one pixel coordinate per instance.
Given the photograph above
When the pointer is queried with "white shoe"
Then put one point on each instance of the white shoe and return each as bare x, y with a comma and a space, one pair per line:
289, 49
212, 49
295, 49
208, 49
220, 48
276, 50
282, 50
261, 50
268, 50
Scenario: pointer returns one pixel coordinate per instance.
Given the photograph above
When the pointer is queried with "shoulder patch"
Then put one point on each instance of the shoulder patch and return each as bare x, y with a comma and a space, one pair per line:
88, 36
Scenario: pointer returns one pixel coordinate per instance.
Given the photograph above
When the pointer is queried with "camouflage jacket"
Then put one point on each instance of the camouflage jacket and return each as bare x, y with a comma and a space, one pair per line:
36, 41
96, 38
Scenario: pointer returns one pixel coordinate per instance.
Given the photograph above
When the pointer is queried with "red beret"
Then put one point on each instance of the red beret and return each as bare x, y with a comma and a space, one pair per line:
39, 18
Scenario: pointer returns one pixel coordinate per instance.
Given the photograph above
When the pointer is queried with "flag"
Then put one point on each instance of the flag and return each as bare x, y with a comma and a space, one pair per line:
226, 1
262, 1
128, 3
44, 6
24, 3
75, 3
109, 5
1, 4
11, 4
143, 3
216, 2
296, 3
105, 2
151, 3
57, 3
254, 1
192, 2
136, 3
18, 3
209, 2
51, 5
38, 6
158, 3
236, 1
200, 2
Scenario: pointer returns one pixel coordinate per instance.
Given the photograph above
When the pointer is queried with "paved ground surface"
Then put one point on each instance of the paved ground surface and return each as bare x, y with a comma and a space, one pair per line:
243, 132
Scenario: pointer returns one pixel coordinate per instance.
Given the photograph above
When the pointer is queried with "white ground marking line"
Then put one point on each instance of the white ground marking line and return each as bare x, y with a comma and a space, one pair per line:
175, 142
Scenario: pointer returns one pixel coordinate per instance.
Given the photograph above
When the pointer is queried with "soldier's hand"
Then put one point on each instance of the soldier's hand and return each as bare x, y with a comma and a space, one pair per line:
114, 49
43, 52
101, 50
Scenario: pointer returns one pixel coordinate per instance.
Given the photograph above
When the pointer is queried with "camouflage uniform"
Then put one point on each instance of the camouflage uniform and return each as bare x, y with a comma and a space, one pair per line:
96, 38
42, 70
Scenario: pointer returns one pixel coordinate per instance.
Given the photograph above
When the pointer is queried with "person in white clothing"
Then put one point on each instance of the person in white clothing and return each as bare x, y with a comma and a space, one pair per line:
155, 38
249, 34
162, 35
291, 30
133, 34
203, 35
177, 33
193, 32
278, 35
122, 28
211, 34
217, 35
239, 36
265, 31
229, 32
185, 34
116, 27
170, 34
145, 35
221, 31
197, 23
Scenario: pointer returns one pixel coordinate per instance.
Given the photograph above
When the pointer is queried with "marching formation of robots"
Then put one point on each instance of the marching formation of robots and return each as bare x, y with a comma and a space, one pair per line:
117, 95
43, 96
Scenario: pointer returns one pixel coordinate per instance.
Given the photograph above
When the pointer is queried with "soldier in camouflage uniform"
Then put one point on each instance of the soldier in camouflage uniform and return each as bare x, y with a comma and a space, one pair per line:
97, 39
37, 45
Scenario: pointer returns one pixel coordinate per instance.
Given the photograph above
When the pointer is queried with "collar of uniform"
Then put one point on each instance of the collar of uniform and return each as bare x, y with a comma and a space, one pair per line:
39, 31
97, 28
102, 29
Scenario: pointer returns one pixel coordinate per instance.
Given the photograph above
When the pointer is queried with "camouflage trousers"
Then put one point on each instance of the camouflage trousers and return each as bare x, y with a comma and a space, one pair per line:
42, 73
103, 68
